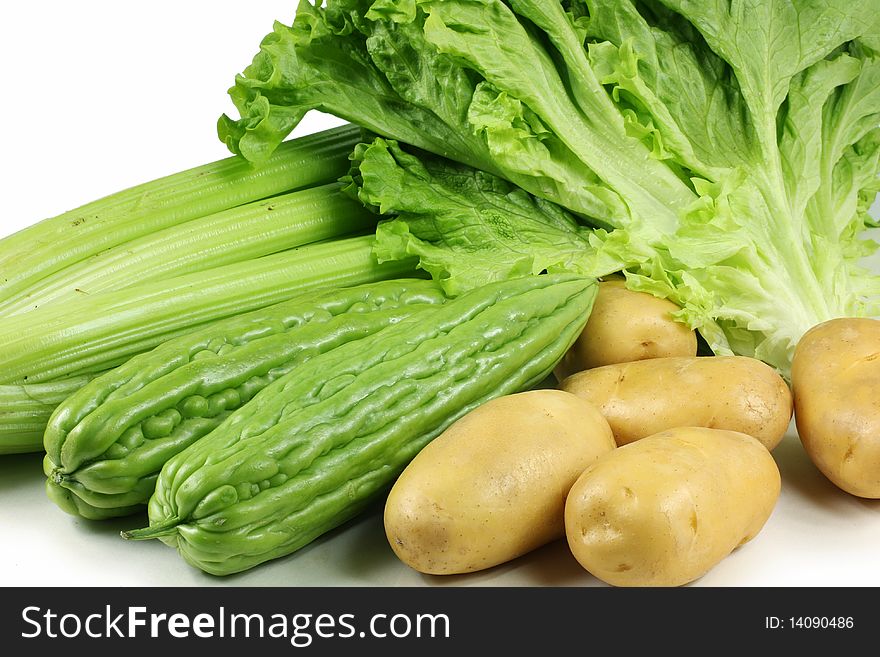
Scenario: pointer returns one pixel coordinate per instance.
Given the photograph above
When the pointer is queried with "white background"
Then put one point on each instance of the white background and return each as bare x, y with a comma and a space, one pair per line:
98, 96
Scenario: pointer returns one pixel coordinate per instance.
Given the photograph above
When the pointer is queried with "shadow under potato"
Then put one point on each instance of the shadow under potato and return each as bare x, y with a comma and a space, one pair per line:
551, 565
802, 477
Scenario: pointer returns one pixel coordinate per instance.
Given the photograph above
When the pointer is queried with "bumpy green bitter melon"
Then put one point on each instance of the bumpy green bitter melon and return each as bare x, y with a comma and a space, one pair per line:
319, 444
107, 442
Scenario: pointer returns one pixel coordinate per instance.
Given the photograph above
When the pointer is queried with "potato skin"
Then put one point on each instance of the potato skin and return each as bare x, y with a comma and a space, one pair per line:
664, 510
835, 380
493, 485
624, 326
717, 392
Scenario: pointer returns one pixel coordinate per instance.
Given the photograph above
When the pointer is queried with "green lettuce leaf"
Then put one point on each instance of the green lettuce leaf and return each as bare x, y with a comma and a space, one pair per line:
724, 153
467, 227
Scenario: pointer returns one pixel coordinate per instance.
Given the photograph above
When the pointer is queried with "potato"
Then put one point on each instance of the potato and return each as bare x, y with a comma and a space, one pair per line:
493, 485
665, 510
835, 380
718, 392
625, 326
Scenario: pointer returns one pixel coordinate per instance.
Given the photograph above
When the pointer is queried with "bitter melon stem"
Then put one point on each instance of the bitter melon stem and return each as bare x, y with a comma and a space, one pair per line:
164, 528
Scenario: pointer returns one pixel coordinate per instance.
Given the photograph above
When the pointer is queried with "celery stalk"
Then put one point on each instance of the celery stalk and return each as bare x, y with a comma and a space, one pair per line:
242, 233
25, 410
53, 244
94, 333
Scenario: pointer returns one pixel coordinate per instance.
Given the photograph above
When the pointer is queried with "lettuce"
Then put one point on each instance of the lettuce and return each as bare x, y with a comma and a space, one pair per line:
467, 227
723, 153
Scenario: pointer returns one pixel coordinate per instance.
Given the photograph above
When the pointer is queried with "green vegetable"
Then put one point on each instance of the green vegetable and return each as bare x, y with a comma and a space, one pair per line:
466, 226
96, 333
726, 152
107, 442
316, 446
25, 410
30, 257
90, 335
242, 233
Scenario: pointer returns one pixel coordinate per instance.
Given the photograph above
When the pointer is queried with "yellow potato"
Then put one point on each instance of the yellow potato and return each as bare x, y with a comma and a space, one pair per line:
835, 378
665, 510
624, 326
718, 392
493, 485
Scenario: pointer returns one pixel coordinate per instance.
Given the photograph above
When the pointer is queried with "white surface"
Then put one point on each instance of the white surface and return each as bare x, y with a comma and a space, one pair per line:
98, 96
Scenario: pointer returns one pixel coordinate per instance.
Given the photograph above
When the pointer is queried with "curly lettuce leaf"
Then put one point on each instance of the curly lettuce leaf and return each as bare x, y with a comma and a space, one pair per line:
725, 152
467, 227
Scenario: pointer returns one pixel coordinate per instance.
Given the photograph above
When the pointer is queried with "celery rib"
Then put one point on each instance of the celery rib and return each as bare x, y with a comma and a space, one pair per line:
25, 411
51, 245
242, 233
94, 333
